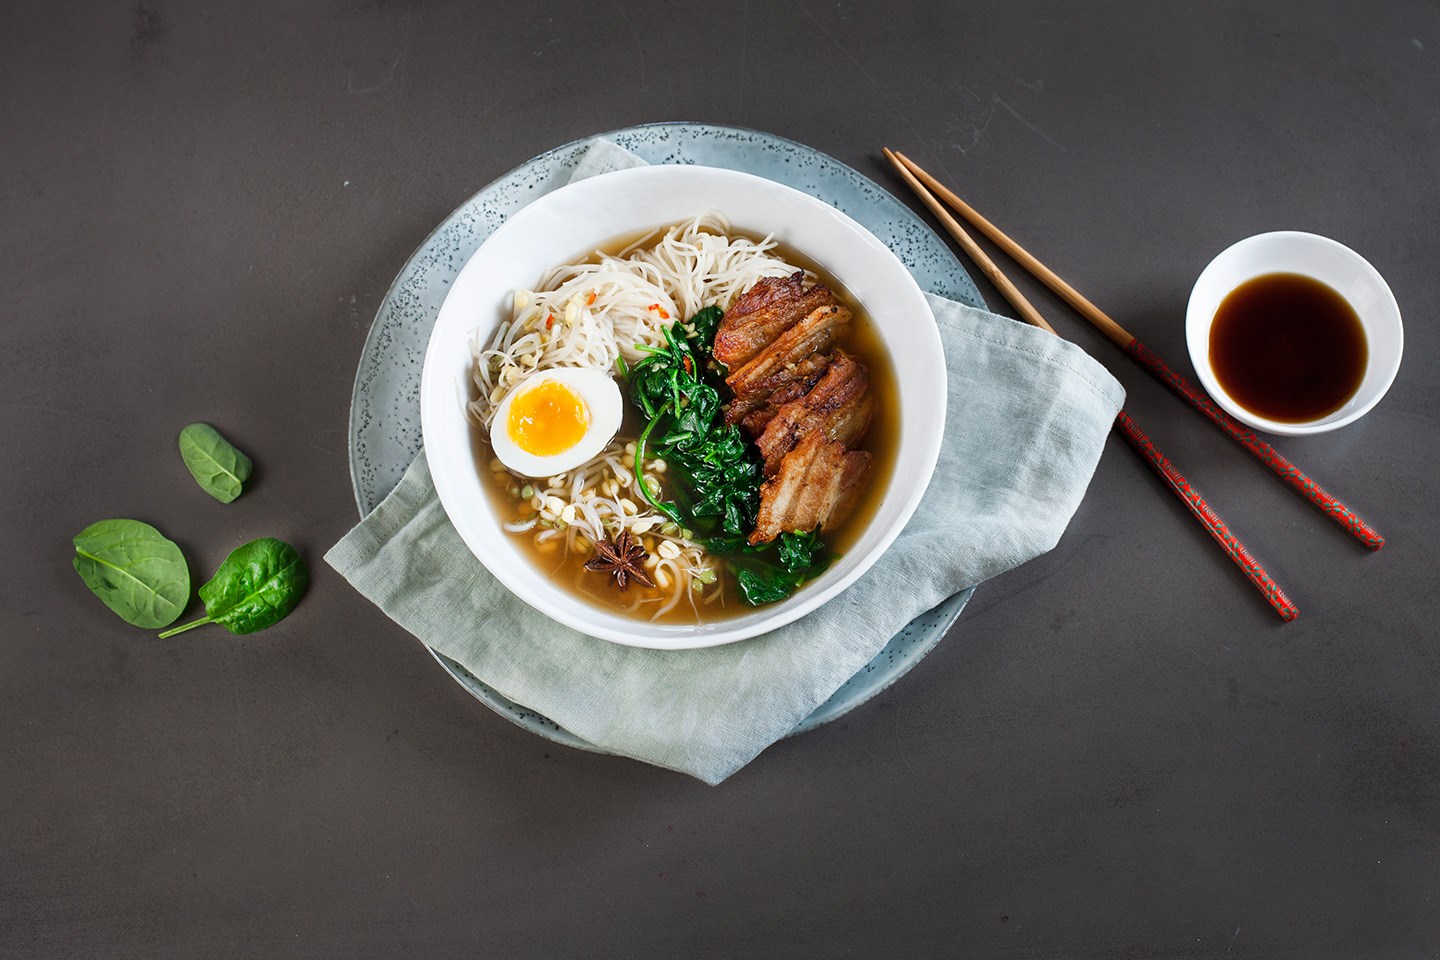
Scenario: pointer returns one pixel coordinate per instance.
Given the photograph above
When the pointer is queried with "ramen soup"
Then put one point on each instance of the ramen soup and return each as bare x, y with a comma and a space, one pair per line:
687, 424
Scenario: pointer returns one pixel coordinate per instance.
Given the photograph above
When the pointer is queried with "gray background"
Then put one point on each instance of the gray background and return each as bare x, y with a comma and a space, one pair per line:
1120, 751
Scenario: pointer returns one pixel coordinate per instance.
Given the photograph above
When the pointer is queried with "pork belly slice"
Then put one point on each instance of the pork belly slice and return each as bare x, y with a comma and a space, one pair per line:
755, 423
764, 398
817, 486
765, 311
810, 336
838, 406
766, 291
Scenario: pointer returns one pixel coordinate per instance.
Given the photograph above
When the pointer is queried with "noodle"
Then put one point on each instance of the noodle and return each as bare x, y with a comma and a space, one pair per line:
590, 314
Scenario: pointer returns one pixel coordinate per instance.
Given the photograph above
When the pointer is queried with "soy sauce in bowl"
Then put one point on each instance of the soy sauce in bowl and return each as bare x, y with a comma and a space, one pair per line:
1288, 347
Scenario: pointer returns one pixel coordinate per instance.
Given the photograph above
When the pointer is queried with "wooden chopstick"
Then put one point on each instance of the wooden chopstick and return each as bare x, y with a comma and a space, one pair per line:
1148, 359
1173, 479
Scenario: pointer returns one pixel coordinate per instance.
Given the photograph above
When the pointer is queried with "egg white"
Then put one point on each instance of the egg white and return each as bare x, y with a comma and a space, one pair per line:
600, 394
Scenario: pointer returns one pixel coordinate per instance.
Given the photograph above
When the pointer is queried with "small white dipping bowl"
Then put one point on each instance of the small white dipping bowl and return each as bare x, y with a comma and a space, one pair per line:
1323, 259
566, 226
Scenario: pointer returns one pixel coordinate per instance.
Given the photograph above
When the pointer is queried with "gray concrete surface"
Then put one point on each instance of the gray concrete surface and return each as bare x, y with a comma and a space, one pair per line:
1120, 752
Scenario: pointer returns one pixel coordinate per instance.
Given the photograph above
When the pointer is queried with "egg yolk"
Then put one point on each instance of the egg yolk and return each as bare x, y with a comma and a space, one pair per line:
547, 419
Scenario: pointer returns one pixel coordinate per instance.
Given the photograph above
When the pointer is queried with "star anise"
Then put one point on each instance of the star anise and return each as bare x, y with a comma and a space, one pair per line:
623, 559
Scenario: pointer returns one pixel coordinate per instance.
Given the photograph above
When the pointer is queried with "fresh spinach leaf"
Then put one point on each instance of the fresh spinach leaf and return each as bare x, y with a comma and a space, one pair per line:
256, 587
219, 468
138, 573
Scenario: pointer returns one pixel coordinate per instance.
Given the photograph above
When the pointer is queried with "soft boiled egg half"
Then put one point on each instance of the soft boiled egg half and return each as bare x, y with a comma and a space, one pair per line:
555, 421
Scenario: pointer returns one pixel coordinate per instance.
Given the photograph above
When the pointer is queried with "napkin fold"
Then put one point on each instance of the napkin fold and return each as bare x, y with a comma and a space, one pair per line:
1028, 417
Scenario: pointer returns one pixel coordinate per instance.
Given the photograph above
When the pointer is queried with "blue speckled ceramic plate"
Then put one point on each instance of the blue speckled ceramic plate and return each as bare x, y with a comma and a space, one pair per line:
385, 407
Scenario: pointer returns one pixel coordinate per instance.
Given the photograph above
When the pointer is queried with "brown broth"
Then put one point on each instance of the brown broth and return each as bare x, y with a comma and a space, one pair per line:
1288, 347
861, 339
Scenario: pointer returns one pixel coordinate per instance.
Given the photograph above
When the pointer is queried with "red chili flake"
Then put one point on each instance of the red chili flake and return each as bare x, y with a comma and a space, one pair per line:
689, 365
590, 299
550, 321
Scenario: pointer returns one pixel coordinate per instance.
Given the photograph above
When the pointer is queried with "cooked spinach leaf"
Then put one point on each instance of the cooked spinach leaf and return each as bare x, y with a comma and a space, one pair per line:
717, 474
219, 468
718, 471
703, 327
256, 587
802, 552
138, 573
757, 589
775, 570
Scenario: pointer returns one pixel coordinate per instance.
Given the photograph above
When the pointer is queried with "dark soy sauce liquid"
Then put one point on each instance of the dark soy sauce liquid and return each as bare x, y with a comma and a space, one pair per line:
1288, 348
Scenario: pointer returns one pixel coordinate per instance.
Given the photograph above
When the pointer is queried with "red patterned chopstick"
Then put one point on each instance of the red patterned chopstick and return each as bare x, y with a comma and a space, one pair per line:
1211, 521
1266, 454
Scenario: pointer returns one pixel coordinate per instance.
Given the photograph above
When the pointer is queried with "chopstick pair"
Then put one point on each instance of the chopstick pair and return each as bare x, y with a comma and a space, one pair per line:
1143, 355
1143, 446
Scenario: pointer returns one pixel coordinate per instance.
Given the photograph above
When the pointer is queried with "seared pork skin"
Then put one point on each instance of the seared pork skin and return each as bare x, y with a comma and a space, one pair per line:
816, 487
764, 398
765, 311
768, 370
838, 406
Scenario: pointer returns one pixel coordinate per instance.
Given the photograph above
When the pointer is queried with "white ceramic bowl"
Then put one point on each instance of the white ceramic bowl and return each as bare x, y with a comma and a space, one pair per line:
1332, 263
569, 224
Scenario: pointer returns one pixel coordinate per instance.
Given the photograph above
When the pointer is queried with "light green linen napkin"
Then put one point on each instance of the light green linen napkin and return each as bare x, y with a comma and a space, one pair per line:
1028, 416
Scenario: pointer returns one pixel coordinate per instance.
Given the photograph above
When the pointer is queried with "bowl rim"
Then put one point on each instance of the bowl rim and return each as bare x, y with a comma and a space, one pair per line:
533, 591
1198, 321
